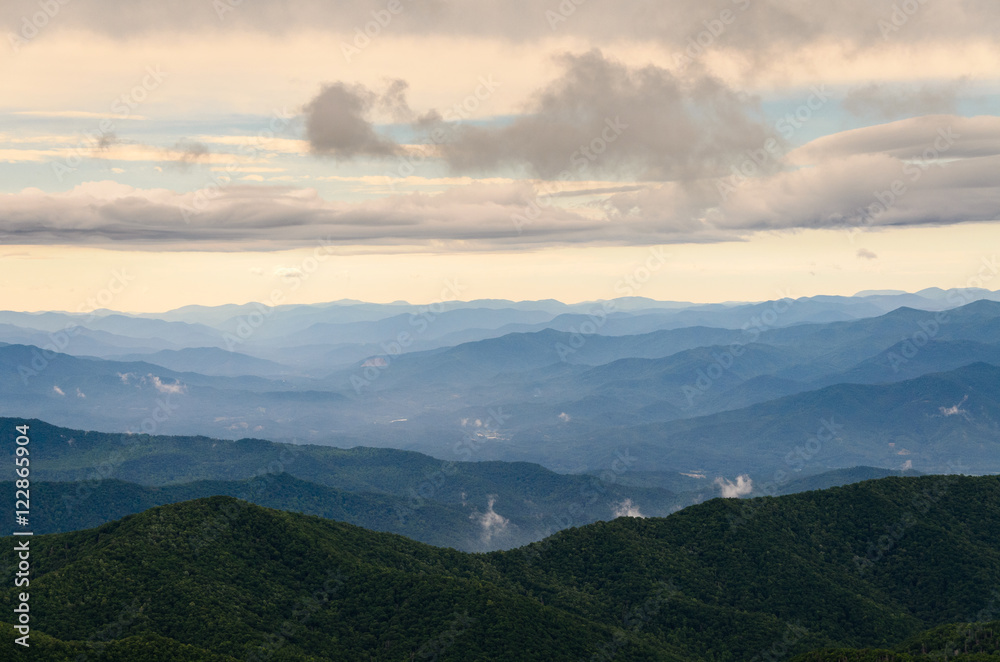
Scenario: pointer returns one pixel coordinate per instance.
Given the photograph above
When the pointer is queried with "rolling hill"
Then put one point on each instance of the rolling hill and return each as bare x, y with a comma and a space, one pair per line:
868, 566
85, 478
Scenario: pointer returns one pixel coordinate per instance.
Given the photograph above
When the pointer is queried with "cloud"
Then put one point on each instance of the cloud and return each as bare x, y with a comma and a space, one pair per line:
866, 254
934, 170
257, 271
760, 26
176, 388
338, 120
733, 490
603, 117
273, 218
627, 509
106, 141
393, 102
288, 272
187, 153
492, 523
109, 147
600, 117
951, 136
890, 101
955, 410
58, 391
564, 417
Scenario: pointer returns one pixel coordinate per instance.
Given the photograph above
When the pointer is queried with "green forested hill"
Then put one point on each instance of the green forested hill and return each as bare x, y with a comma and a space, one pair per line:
963, 642
867, 566
432, 500
143, 648
234, 578
57, 507
838, 477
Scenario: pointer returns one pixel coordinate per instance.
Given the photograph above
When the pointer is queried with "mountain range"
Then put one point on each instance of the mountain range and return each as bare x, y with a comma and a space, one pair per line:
905, 389
512, 480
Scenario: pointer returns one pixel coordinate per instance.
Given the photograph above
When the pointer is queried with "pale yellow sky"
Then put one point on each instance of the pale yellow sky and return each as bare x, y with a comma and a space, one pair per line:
789, 264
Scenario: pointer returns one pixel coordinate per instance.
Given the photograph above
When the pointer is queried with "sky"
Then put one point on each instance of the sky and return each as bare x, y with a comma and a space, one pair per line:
155, 155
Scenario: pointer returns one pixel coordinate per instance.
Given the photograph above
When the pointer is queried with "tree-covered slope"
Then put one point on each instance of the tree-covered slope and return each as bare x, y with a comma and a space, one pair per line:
394, 490
866, 566
930, 421
103, 647
978, 641
234, 578
62, 507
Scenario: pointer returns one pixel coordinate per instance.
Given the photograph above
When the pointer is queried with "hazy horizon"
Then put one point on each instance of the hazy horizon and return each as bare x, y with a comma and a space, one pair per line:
402, 302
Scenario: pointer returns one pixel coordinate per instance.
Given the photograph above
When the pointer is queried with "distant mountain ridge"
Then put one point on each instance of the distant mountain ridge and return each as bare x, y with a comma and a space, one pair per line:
572, 416
86, 478
690, 400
